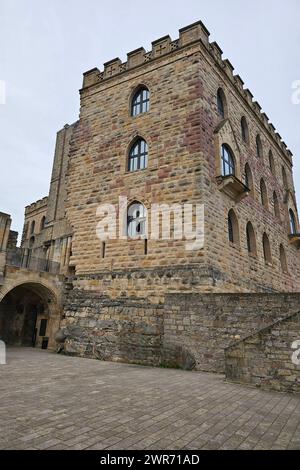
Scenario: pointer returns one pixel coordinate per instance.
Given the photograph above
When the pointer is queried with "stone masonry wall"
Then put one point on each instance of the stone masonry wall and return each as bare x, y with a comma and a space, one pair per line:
120, 330
189, 330
265, 358
206, 324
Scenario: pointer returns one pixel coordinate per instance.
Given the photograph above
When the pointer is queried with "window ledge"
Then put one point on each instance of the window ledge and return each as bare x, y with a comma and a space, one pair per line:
233, 187
135, 172
136, 239
295, 240
139, 115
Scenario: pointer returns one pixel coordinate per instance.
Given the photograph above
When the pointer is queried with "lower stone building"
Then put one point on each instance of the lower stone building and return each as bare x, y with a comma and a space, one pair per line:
170, 234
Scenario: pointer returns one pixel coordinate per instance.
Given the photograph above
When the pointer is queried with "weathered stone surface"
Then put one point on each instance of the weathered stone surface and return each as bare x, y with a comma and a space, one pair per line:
189, 331
265, 359
121, 330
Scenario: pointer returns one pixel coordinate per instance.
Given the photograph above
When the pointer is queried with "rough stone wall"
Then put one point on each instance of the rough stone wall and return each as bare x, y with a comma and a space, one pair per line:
122, 330
154, 283
12, 240
265, 358
189, 330
205, 324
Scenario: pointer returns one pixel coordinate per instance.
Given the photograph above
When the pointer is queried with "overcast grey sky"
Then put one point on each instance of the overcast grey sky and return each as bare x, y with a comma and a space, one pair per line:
45, 46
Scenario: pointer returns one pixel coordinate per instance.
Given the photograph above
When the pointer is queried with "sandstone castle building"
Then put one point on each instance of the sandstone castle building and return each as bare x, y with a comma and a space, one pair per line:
171, 126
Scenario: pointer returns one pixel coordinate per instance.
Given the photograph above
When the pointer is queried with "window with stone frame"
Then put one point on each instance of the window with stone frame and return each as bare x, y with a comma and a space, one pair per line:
227, 160
264, 194
276, 205
259, 147
43, 223
32, 227
221, 103
267, 249
293, 223
284, 178
233, 228
272, 163
251, 240
283, 259
138, 155
245, 130
136, 220
140, 101
249, 179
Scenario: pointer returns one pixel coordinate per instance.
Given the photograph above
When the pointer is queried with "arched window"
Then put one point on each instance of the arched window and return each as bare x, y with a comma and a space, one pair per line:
293, 223
245, 130
272, 163
283, 260
138, 155
249, 178
43, 222
233, 228
284, 179
221, 103
228, 162
267, 249
31, 241
264, 194
251, 240
136, 220
32, 227
276, 205
259, 147
140, 101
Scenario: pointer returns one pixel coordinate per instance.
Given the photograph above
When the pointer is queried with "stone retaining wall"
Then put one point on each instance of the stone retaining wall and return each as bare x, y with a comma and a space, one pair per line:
189, 330
206, 324
114, 330
265, 358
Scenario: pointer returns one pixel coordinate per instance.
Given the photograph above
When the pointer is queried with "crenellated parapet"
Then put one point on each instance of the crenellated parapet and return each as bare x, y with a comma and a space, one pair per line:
189, 35
160, 47
36, 206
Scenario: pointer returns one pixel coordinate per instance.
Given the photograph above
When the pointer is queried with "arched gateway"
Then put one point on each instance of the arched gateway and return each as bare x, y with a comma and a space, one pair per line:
29, 315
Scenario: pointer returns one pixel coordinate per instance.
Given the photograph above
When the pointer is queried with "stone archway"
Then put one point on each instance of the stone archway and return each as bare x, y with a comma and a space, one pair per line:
29, 316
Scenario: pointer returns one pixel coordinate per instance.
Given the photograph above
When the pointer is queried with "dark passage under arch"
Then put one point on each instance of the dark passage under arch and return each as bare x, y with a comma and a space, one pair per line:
25, 314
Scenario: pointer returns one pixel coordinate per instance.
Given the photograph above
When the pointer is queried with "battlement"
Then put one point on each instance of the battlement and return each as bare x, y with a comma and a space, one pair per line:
37, 205
196, 32
4, 216
160, 47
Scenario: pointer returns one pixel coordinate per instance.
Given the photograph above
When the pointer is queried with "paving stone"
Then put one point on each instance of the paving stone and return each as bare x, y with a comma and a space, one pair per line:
46, 404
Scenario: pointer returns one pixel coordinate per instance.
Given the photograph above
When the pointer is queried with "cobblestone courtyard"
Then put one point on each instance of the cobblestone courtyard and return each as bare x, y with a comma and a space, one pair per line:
50, 401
